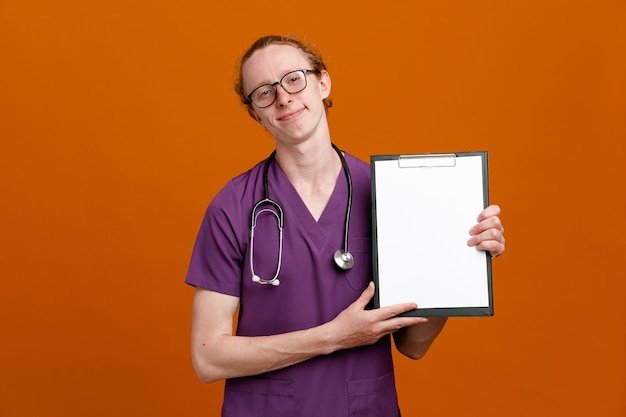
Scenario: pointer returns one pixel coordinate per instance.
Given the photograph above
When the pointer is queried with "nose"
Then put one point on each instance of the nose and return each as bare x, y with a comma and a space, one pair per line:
282, 96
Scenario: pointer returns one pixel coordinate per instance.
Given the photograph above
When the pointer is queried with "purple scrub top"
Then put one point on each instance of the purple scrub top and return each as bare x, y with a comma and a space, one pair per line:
312, 291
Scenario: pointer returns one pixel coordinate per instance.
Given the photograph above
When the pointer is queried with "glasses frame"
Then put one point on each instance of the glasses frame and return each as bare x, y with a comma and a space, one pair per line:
280, 82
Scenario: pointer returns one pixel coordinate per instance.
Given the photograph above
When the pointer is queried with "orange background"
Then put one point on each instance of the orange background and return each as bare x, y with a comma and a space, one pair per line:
119, 123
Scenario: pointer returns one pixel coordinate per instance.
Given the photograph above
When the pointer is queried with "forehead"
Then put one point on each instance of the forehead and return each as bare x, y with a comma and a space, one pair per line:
270, 63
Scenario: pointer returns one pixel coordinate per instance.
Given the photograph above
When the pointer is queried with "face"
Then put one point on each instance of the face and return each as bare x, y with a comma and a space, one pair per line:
292, 118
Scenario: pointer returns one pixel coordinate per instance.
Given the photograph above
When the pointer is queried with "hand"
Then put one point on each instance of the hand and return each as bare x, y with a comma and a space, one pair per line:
356, 326
488, 234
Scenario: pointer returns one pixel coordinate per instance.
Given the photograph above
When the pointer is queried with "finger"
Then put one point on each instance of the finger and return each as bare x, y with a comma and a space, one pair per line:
492, 222
490, 211
495, 248
365, 296
397, 323
394, 310
491, 234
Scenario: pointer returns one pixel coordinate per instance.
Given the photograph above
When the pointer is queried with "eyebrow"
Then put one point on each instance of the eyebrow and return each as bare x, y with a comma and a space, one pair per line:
272, 82
264, 82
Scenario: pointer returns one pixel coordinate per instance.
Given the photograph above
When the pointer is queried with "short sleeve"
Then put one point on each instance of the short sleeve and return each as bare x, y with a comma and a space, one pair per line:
217, 258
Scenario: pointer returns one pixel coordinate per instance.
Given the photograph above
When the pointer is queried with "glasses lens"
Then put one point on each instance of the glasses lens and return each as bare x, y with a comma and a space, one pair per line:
294, 82
264, 95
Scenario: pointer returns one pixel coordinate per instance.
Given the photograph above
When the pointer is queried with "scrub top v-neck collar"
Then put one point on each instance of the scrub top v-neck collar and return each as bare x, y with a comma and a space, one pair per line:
281, 189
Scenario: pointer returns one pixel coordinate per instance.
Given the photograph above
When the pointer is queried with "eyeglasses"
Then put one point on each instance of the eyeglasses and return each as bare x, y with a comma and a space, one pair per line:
293, 82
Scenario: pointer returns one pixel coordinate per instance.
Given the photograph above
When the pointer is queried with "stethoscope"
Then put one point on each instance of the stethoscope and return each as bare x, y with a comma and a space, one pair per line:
343, 258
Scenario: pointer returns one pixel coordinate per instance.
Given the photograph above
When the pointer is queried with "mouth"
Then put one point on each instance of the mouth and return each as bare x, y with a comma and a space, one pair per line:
291, 115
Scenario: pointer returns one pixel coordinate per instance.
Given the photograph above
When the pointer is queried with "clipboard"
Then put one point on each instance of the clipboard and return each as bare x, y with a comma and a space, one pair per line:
423, 206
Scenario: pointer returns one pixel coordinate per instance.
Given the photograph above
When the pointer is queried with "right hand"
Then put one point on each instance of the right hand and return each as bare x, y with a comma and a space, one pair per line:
356, 326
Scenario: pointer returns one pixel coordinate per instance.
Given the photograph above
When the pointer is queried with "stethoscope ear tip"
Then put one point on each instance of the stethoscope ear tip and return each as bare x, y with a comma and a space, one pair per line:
275, 282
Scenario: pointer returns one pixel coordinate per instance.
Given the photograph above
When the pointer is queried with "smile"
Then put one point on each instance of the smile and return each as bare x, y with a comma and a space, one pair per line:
292, 115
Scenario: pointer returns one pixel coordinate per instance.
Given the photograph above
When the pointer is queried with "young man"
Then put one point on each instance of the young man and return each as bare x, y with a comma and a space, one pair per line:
305, 344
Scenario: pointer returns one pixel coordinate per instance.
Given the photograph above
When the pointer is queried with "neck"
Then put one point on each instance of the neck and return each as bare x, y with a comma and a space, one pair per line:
313, 172
308, 162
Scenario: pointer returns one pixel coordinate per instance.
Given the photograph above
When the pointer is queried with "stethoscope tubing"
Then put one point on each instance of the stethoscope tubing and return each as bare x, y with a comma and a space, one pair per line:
346, 171
280, 220
342, 257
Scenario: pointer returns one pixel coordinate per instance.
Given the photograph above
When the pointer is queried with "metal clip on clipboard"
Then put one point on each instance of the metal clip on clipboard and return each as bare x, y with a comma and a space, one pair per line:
427, 161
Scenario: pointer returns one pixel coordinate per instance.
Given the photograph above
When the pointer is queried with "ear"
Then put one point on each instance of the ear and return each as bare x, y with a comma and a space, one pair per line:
324, 83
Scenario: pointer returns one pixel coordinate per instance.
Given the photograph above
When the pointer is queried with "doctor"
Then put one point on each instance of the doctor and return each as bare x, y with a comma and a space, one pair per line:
307, 346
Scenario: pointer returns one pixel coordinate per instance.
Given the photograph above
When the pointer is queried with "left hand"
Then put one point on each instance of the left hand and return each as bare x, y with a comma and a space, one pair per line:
488, 234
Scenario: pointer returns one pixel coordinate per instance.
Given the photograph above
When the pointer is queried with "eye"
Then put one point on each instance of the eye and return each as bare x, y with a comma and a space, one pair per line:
263, 91
294, 78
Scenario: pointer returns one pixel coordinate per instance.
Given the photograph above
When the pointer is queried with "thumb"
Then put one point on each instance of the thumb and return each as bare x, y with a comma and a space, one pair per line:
366, 295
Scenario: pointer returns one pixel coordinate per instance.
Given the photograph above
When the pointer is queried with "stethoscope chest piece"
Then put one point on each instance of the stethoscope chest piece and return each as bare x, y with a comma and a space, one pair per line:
343, 259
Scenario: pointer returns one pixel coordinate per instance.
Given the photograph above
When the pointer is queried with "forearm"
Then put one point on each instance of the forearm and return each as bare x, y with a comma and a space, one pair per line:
414, 341
229, 356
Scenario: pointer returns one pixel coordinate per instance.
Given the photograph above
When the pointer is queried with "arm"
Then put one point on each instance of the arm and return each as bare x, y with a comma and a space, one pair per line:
218, 354
413, 342
487, 235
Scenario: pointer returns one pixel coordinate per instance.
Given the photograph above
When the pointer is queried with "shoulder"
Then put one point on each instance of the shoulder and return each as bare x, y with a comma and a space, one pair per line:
360, 170
240, 188
228, 208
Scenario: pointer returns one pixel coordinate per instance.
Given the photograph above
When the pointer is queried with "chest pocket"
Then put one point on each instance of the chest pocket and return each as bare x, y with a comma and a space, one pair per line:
254, 397
361, 272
